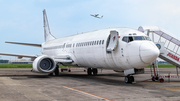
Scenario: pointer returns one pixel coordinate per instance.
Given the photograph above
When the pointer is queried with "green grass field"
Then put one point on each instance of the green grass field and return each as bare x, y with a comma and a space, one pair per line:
164, 66
30, 66
15, 65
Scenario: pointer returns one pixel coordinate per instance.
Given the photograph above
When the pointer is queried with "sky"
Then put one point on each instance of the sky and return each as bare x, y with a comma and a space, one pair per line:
22, 20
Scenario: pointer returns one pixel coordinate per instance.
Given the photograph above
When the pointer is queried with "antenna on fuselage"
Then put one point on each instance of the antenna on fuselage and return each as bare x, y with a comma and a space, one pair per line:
47, 34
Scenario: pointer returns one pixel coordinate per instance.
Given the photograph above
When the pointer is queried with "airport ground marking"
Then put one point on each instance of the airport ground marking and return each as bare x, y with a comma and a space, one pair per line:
86, 93
169, 89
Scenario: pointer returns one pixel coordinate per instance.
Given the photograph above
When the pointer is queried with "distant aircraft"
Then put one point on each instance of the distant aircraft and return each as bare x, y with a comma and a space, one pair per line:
119, 49
96, 16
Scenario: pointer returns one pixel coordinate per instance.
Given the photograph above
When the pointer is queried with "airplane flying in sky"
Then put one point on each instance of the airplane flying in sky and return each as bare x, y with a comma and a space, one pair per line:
97, 16
119, 49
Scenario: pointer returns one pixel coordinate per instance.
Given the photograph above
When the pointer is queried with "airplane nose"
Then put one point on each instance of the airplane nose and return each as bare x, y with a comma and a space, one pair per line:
148, 52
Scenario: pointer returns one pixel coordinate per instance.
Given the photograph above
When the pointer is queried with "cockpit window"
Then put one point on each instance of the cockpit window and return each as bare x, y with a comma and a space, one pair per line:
148, 38
130, 38
138, 38
134, 38
125, 39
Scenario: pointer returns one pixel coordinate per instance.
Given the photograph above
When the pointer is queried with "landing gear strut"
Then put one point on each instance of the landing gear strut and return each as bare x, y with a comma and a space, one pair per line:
56, 72
129, 79
92, 70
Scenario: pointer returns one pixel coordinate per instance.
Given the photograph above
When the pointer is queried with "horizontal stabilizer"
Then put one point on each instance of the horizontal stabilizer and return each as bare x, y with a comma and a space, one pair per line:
20, 55
27, 44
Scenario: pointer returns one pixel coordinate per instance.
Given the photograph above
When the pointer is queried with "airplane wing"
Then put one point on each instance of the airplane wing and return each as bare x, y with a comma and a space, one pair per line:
20, 55
27, 44
96, 15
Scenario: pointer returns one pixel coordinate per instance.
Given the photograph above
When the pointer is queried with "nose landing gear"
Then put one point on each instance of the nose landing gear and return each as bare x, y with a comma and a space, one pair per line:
129, 79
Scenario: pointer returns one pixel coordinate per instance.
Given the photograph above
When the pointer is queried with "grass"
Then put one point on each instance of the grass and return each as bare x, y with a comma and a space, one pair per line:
15, 65
164, 66
27, 66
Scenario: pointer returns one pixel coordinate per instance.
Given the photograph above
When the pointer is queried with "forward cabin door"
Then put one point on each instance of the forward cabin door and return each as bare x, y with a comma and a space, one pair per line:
111, 47
112, 41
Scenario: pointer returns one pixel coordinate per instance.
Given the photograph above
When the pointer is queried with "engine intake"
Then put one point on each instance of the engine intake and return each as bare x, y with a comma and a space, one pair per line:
44, 64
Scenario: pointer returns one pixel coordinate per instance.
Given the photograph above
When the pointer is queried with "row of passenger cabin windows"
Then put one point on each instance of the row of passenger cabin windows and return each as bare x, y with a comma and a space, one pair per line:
68, 45
135, 38
99, 42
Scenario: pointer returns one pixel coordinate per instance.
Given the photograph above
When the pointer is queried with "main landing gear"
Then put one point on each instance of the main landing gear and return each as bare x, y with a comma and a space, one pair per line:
92, 71
129, 79
56, 72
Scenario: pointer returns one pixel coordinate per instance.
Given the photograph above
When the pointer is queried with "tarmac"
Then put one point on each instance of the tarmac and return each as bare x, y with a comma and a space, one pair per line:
24, 85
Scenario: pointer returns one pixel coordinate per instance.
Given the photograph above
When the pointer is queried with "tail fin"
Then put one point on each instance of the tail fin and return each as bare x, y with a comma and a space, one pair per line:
47, 34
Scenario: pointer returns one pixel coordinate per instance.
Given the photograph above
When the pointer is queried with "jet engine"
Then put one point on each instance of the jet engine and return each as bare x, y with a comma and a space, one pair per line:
44, 64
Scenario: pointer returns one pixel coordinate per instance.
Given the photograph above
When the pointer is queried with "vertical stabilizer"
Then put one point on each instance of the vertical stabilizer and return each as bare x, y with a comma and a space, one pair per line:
47, 34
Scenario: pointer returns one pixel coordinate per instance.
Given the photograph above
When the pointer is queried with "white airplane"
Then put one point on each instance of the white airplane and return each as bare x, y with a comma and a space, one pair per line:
96, 16
119, 49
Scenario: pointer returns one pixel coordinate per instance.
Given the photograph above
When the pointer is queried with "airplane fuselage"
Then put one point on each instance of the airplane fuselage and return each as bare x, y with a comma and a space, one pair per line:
90, 49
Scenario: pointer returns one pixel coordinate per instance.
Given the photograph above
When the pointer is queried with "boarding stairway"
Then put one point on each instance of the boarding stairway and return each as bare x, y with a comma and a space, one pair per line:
166, 42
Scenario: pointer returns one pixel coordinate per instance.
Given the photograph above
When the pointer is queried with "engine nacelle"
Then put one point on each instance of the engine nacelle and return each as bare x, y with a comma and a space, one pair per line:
44, 64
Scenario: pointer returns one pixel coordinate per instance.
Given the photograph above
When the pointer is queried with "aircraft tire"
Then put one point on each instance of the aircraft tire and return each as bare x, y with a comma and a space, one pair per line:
89, 71
56, 70
95, 71
129, 79
126, 79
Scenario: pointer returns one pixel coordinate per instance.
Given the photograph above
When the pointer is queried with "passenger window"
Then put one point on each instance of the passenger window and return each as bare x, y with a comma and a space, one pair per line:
103, 42
100, 42
97, 42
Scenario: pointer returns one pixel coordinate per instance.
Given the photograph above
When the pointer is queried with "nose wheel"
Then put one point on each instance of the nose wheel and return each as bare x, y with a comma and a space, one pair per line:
129, 79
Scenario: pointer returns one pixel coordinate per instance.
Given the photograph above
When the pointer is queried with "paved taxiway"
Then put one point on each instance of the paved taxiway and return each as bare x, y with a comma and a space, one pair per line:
23, 85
